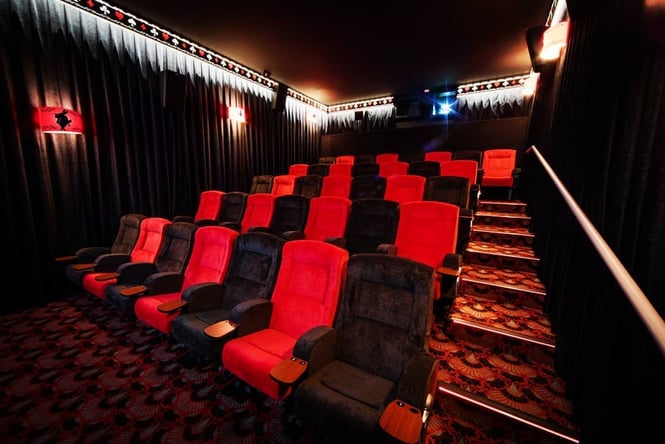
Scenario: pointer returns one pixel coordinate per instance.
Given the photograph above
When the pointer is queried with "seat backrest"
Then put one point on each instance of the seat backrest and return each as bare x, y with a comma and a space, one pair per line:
308, 185
327, 159
367, 186
345, 160
298, 169
384, 314
261, 184
499, 163
283, 184
253, 269
128, 233
210, 257
340, 169
327, 217
308, 287
150, 239
289, 213
438, 156
389, 168
318, 169
360, 158
336, 186
233, 207
258, 211
461, 168
210, 203
372, 221
476, 155
451, 189
365, 169
404, 188
426, 168
427, 231
176, 247
386, 157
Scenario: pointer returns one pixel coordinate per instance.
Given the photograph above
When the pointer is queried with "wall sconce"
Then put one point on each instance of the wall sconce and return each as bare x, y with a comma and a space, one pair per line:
554, 38
58, 120
234, 113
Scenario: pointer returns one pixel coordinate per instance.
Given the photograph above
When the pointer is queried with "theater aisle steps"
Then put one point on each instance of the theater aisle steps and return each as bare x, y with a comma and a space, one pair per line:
496, 347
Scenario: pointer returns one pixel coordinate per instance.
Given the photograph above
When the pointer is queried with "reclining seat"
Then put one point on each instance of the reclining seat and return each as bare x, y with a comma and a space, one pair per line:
308, 185
233, 209
207, 212
386, 157
169, 292
427, 168
387, 169
83, 261
326, 219
454, 190
148, 245
367, 186
283, 184
298, 169
336, 186
374, 363
318, 169
365, 169
372, 222
289, 214
261, 184
469, 170
404, 188
215, 316
439, 156
427, 233
305, 298
133, 276
499, 169
258, 212
340, 169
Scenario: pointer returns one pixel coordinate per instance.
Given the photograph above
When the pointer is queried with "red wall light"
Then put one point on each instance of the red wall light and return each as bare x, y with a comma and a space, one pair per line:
58, 120
234, 113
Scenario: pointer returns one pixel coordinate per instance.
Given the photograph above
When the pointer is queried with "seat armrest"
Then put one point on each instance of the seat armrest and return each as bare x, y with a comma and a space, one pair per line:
205, 222
389, 249
418, 380
111, 261
402, 421
289, 370
164, 282
182, 218
106, 276
203, 296
448, 271
171, 307
81, 267
69, 258
135, 273
252, 315
220, 329
316, 346
89, 254
337, 241
293, 235
134, 291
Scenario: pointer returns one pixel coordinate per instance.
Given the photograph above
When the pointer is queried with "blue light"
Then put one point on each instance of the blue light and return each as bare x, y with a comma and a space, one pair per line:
445, 109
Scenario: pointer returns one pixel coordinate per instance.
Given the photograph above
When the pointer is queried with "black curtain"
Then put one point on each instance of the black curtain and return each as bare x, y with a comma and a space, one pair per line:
599, 120
62, 192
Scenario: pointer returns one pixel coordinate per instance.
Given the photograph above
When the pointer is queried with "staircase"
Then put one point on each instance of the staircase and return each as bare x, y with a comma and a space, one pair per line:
496, 379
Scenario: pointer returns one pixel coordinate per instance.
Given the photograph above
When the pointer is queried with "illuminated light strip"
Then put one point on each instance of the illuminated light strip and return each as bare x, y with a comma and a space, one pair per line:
492, 85
501, 332
379, 101
518, 418
308, 100
143, 27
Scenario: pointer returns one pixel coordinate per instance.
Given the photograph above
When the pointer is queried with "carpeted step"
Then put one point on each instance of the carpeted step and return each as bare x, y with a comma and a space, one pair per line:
517, 236
517, 287
501, 219
502, 206
490, 254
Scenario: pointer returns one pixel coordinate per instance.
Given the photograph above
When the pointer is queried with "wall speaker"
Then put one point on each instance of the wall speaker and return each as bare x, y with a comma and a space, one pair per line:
534, 42
279, 98
172, 87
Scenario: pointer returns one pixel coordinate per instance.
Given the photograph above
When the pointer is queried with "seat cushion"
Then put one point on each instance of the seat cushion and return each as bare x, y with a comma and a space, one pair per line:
146, 310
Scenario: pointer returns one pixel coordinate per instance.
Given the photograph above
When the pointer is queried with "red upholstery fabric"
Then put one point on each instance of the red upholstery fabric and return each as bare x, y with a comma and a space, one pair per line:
350, 160
439, 156
387, 169
387, 157
461, 168
306, 295
405, 188
210, 203
208, 262
258, 211
327, 217
498, 166
146, 248
283, 184
339, 186
298, 169
340, 169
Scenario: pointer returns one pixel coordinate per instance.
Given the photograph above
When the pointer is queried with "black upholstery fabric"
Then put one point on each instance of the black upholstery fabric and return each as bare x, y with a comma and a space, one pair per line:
128, 233
367, 186
361, 158
382, 326
172, 257
318, 169
233, 208
476, 155
327, 159
308, 185
289, 214
261, 184
427, 168
371, 222
450, 189
252, 273
365, 169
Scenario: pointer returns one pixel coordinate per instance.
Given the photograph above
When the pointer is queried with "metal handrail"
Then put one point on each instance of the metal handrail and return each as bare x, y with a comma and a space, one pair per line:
640, 302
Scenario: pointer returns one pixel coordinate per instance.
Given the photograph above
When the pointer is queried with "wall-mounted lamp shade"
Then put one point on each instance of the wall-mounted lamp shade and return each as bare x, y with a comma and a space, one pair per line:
58, 120
554, 38
235, 113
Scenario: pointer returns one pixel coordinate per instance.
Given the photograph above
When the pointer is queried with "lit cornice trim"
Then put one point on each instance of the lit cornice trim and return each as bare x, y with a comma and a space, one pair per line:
492, 85
149, 30
307, 100
350, 106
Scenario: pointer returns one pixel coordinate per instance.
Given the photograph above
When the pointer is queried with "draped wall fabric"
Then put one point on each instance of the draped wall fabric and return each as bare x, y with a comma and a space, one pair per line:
498, 104
608, 147
63, 192
374, 118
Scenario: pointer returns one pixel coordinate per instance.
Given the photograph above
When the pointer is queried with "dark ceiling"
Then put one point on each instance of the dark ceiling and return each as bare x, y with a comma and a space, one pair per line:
341, 51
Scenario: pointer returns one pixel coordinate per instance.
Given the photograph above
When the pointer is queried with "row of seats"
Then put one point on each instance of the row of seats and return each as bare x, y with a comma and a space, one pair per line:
303, 318
437, 155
